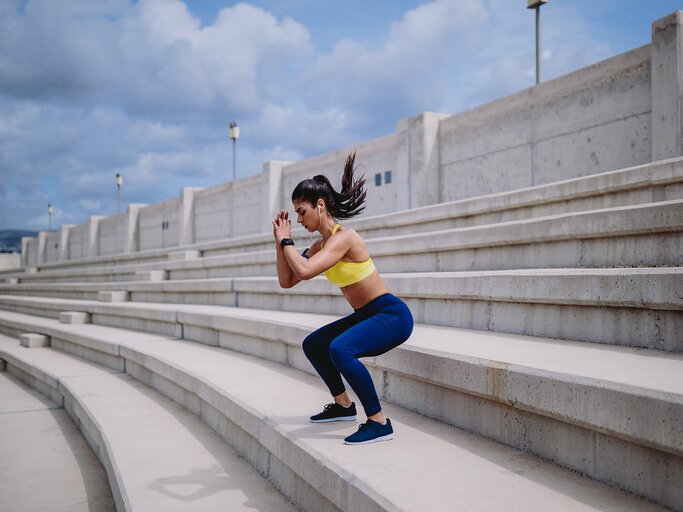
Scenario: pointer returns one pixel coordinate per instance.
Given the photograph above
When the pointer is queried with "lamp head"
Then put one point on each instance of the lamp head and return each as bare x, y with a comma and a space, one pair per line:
535, 4
234, 131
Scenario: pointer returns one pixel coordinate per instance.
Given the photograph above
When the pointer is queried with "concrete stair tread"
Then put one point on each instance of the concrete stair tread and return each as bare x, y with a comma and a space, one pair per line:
629, 287
51, 466
541, 375
641, 370
659, 173
445, 465
664, 216
165, 458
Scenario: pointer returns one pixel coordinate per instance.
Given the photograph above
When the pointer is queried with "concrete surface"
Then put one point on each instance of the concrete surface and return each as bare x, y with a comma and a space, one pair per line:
45, 464
158, 455
642, 235
271, 403
639, 307
33, 340
529, 385
657, 181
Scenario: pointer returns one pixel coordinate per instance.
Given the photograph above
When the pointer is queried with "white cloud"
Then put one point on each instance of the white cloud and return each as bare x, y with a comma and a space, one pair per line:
90, 88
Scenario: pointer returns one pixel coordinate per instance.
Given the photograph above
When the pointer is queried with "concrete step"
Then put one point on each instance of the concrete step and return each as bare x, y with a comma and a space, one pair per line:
658, 181
639, 307
158, 455
582, 406
46, 463
263, 407
632, 236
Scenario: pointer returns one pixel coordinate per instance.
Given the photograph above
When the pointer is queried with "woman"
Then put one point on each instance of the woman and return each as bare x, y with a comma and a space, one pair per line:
380, 320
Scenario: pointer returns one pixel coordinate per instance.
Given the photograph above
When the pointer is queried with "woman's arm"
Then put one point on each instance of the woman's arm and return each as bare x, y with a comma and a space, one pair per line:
335, 249
285, 275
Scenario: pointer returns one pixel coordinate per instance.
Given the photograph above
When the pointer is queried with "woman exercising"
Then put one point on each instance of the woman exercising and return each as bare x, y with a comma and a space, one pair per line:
380, 320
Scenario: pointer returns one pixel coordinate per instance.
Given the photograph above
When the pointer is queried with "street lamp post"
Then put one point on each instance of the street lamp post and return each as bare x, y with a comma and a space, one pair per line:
49, 216
119, 182
536, 5
234, 135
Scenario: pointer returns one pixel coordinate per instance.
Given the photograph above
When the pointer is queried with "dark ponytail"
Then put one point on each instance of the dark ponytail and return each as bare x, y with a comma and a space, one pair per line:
341, 205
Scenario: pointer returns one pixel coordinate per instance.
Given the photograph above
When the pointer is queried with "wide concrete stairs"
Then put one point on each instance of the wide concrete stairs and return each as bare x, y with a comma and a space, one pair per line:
544, 372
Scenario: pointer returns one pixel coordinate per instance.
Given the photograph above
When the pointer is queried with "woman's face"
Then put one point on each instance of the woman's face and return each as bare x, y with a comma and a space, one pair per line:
307, 215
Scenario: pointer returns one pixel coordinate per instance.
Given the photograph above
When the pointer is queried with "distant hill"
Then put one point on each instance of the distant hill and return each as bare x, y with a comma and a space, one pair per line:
10, 239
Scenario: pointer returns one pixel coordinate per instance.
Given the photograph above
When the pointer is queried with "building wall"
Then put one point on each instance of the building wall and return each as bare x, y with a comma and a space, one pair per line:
593, 120
229, 210
78, 242
52, 249
158, 225
379, 156
112, 234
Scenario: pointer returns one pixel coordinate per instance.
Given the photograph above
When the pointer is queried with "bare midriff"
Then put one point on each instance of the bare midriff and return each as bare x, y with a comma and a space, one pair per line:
362, 292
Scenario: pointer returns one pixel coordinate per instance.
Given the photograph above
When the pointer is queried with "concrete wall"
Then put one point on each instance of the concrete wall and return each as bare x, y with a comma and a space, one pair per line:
229, 210
119, 234
52, 249
625, 111
158, 225
375, 157
593, 120
79, 242
10, 260
112, 234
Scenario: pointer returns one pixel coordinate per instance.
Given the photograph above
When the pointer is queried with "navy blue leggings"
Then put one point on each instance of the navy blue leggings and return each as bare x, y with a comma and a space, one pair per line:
334, 349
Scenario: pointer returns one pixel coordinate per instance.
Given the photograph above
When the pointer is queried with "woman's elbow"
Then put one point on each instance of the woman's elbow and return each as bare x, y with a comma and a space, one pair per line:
286, 284
305, 275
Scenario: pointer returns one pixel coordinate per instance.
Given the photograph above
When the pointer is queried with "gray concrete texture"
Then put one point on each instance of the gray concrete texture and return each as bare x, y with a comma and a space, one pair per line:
661, 181
457, 376
264, 406
642, 235
45, 464
158, 456
638, 307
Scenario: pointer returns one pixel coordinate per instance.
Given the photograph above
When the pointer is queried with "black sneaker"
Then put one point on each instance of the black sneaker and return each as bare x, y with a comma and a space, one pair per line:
371, 432
335, 412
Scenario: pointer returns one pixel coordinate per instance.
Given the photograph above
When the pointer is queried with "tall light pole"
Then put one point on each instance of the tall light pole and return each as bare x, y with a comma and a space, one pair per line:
536, 4
119, 182
234, 135
49, 216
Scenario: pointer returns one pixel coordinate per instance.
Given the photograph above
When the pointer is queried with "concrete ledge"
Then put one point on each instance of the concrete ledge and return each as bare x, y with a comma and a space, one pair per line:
626, 236
609, 189
129, 445
518, 379
74, 317
113, 296
33, 340
638, 307
263, 422
183, 255
151, 275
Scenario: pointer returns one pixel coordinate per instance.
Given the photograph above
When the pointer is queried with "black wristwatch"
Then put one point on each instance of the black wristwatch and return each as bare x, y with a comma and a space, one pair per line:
286, 241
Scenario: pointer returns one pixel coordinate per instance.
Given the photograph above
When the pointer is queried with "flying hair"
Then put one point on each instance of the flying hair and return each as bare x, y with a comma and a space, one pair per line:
342, 205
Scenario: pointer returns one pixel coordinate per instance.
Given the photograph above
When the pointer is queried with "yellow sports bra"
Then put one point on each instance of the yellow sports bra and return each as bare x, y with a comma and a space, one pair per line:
345, 273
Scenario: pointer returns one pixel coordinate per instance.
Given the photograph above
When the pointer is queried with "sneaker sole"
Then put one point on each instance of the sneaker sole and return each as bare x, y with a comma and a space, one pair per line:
388, 437
330, 420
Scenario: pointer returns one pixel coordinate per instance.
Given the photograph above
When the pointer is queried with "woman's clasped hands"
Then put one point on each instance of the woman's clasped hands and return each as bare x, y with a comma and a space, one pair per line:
282, 226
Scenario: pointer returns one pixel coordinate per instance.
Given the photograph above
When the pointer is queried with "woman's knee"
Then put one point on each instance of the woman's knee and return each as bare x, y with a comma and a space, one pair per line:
314, 345
340, 353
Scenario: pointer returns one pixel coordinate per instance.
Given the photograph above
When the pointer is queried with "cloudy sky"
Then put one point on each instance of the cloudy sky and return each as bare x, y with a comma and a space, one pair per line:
146, 88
